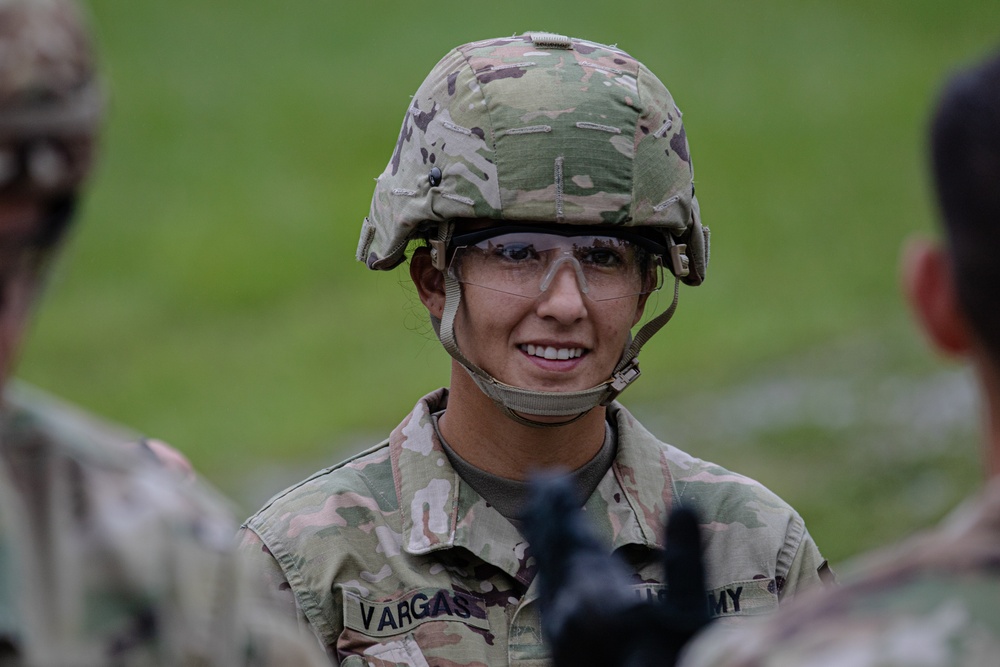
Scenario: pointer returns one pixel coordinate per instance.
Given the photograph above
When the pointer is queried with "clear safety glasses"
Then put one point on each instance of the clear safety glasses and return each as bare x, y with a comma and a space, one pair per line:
524, 261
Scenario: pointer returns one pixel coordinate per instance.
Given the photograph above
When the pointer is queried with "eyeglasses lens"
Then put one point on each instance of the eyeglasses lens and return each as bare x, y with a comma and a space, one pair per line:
525, 264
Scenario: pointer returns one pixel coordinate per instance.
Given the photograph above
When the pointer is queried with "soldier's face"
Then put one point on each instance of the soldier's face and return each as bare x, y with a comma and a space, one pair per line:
19, 221
559, 341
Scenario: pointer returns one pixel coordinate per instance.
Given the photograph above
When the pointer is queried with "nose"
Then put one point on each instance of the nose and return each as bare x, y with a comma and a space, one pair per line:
562, 295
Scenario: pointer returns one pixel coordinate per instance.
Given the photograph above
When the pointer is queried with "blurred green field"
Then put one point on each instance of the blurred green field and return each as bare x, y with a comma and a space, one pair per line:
211, 297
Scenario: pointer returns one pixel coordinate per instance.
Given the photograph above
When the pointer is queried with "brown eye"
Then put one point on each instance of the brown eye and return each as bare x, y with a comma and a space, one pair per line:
603, 257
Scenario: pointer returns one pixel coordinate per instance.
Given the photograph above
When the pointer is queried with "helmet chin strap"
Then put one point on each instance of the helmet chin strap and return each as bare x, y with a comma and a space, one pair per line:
516, 402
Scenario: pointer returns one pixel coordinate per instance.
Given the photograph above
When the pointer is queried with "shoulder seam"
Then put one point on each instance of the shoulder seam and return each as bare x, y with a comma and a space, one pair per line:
793, 541
316, 475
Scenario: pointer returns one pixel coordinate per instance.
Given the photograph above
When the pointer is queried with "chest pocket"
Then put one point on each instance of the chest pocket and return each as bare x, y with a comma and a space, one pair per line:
402, 652
739, 598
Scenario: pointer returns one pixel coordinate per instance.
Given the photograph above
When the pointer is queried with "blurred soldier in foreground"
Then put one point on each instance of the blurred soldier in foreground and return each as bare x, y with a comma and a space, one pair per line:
107, 557
548, 183
933, 600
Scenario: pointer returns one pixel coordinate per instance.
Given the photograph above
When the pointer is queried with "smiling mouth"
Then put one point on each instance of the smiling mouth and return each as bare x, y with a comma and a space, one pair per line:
549, 352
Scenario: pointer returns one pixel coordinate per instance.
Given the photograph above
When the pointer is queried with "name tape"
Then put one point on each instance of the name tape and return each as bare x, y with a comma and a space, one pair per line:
739, 598
386, 618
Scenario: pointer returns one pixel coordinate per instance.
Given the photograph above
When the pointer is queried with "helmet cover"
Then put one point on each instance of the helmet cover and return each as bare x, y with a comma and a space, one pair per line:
537, 128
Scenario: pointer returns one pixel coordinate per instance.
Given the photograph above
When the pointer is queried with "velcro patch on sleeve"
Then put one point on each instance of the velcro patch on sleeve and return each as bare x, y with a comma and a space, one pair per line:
743, 598
392, 617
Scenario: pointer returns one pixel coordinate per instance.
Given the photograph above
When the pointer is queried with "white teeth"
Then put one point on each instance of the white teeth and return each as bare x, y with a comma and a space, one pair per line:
552, 352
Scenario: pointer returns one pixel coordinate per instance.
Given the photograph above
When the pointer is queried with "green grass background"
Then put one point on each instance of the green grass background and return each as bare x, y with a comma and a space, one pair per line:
211, 297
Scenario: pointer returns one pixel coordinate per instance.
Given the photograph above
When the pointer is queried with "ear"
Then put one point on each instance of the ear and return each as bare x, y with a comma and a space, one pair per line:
428, 281
640, 308
929, 285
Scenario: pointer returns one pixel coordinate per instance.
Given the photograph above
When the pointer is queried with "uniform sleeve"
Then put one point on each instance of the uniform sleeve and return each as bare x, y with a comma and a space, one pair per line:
277, 642
807, 569
270, 580
263, 567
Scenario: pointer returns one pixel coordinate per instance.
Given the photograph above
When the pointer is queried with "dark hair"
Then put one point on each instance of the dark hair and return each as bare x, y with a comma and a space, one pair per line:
965, 150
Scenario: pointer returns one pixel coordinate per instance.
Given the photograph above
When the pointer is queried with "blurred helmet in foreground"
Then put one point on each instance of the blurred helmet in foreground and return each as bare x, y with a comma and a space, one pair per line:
50, 99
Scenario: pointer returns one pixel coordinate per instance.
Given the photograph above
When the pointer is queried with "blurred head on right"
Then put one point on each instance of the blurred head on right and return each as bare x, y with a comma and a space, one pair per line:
965, 147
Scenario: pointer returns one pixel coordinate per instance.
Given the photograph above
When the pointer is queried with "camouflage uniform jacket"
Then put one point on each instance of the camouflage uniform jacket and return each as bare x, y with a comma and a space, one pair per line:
109, 558
393, 560
930, 601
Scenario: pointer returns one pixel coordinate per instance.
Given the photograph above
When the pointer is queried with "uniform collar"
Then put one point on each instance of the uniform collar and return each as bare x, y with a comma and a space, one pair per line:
968, 538
11, 604
632, 501
440, 511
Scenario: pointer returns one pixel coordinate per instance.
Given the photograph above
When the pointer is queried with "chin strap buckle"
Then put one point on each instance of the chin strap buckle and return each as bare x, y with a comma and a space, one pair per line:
679, 259
439, 246
438, 254
623, 378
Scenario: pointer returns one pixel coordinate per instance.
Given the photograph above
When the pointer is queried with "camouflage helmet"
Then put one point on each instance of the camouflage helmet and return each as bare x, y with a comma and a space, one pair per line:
539, 129
50, 100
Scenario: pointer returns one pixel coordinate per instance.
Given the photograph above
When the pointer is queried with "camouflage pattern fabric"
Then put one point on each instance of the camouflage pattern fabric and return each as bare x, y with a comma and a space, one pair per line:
929, 602
537, 128
107, 558
51, 102
392, 559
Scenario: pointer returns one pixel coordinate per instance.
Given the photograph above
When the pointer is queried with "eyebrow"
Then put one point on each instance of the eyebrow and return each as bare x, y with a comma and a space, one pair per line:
474, 237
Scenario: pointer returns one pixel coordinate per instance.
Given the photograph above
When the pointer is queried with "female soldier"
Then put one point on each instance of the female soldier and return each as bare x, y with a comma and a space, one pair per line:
550, 181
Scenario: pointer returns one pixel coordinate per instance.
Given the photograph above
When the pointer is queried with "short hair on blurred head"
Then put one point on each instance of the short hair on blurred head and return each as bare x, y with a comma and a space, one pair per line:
965, 153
